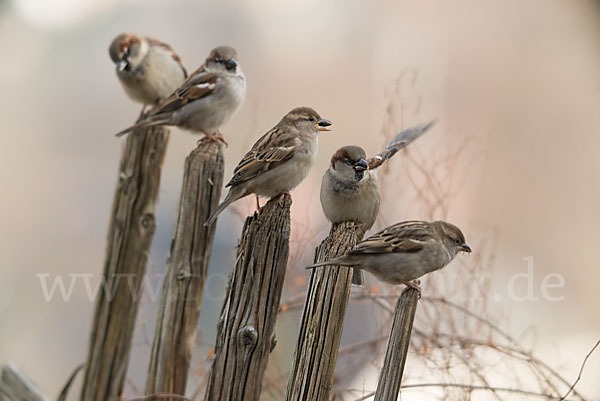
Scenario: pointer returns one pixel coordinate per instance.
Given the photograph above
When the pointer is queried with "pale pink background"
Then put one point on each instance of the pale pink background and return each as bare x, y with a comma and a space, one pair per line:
520, 79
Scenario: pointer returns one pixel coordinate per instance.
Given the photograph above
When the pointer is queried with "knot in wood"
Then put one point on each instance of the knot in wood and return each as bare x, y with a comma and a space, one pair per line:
152, 158
147, 220
247, 335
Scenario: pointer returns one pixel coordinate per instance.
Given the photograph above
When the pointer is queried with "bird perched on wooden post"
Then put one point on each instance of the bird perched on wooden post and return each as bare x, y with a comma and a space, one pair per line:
279, 160
207, 100
405, 251
349, 190
148, 69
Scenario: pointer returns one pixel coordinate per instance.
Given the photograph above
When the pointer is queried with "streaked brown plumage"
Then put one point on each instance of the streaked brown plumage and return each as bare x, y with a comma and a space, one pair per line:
405, 251
208, 99
349, 190
279, 160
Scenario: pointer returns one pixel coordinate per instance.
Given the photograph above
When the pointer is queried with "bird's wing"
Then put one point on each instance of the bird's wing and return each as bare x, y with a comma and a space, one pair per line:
398, 142
271, 150
407, 236
195, 87
169, 49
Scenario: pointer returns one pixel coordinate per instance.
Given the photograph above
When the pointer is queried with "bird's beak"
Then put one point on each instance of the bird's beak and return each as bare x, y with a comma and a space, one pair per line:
322, 124
231, 64
361, 165
122, 65
465, 247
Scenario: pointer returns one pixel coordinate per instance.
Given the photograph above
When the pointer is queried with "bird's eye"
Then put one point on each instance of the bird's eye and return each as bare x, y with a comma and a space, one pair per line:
311, 119
218, 60
348, 161
457, 241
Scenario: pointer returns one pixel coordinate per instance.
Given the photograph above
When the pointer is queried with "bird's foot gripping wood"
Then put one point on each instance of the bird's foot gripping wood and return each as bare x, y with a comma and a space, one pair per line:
281, 197
216, 136
357, 226
259, 208
142, 113
414, 284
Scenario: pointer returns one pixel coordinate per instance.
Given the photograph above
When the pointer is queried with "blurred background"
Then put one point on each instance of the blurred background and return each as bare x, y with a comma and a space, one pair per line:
516, 89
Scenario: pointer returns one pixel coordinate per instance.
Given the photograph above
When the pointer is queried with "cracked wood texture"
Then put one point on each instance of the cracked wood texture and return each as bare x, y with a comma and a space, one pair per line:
16, 386
390, 376
311, 375
182, 290
246, 329
132, 226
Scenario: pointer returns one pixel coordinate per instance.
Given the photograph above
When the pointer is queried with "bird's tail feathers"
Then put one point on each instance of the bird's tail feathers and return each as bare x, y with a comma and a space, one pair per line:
358, 277
333, 262
229, 199
151, 121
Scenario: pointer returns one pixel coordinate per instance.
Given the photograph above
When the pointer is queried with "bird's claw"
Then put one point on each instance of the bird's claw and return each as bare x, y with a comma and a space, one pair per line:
281, 198
356, 225
216, 137
414, 284
142, 113
259, 208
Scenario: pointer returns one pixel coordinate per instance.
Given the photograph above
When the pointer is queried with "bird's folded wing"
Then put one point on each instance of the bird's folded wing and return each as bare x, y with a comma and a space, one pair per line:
196, 87
169, 49
408, 236
271, 150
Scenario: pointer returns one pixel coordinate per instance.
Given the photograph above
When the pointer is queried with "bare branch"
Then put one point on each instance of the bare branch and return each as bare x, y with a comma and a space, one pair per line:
470, 387
65, 390
159, 395
580, 371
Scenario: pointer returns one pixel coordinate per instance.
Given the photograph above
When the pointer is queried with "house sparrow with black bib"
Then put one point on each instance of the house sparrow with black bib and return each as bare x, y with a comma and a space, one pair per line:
279, 160
148, 69
405, 251
207, 100
349, 190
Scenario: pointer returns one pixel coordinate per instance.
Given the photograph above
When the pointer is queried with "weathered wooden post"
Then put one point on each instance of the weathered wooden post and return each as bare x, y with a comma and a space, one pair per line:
16, 386
311, 376
246, 328
182, 290
130, 233
391, 373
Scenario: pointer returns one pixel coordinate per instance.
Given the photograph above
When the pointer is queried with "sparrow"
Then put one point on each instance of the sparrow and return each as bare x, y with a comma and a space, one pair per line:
405, 251
349, 193
208, 99
148, 69
279, 160
349, 190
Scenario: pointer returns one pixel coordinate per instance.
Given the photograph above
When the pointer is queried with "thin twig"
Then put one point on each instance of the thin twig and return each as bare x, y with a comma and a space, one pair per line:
472, 388
580, 371
353, 347
157, 395
65, 390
